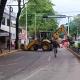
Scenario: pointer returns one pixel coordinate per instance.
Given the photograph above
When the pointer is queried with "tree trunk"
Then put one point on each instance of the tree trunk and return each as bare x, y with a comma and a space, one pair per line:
17, 25
2, 6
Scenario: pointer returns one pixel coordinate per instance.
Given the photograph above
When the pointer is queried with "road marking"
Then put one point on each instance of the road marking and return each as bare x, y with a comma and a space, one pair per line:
34, 73
49, 58
9, 64
13, 62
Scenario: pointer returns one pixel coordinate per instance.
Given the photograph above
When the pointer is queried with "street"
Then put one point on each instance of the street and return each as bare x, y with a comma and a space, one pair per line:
31, 65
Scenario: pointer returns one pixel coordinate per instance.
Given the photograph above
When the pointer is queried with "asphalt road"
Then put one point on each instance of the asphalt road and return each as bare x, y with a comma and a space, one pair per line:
40, 66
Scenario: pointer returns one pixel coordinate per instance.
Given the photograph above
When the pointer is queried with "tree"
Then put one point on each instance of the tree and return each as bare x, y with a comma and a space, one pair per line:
17, 24
2, 6
75, 25
41, 8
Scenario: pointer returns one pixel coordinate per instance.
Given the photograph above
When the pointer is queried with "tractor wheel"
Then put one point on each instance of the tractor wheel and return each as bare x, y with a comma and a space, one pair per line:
34, 48
51, 48
45, 47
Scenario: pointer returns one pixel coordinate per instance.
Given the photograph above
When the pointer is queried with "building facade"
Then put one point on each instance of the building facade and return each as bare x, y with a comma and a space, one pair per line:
7, 29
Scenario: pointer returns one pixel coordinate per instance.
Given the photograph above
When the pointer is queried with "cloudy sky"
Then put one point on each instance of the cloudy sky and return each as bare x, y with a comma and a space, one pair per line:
65, 7
68, 7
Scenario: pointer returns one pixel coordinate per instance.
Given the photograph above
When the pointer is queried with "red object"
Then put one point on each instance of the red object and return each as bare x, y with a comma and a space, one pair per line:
65, 43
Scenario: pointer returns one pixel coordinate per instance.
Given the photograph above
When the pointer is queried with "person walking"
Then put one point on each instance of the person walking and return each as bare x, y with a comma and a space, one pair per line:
55, 46
8, 44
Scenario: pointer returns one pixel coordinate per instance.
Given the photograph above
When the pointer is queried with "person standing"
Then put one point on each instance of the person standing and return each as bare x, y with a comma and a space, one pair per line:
55, 46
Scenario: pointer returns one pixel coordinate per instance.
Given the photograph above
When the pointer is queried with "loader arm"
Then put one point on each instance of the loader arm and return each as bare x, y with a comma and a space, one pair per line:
60, 30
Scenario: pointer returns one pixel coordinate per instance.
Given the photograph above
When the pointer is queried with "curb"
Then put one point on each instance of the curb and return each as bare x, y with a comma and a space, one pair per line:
74, 53
7, 53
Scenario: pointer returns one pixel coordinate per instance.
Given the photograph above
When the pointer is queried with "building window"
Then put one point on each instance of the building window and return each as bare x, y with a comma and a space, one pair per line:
3, 21
8, 22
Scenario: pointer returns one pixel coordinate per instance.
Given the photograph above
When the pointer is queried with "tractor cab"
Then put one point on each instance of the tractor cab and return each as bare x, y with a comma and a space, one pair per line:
45, 35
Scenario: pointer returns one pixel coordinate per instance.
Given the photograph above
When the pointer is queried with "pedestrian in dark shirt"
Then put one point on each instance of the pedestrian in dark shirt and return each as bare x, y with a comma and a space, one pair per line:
55, 46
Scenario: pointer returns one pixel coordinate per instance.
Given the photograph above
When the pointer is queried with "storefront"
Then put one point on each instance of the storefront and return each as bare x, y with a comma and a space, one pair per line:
4, 37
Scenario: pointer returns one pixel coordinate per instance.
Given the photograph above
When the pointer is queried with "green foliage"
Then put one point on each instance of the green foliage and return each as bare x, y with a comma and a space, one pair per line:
41, 8
75, 25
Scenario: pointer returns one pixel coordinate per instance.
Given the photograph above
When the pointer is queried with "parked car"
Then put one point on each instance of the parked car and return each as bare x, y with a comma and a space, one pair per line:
77, 43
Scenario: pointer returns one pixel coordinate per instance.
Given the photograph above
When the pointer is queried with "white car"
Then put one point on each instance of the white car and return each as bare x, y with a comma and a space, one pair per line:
76, 43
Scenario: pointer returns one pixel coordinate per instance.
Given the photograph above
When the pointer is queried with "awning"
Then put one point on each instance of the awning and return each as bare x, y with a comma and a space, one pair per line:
3, 33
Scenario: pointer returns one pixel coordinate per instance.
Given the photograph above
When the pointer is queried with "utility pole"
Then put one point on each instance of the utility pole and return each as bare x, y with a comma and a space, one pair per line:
68, 26
35, 27
10, 11
17, 22
77, 32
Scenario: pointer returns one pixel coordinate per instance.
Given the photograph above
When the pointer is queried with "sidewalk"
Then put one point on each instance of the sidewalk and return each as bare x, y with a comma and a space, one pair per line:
75, 53
6, 52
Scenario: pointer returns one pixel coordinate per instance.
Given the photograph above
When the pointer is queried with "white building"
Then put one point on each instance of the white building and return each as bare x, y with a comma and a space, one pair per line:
6, 28
5, 23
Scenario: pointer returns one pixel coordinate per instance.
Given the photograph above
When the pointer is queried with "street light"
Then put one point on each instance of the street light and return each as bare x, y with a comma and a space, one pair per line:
17, 24
77, 31
68, 25
10, 11
59, 16
27, 24
68, 17
35, 27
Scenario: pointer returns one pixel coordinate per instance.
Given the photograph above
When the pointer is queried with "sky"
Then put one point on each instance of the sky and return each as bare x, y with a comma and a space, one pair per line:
66, 7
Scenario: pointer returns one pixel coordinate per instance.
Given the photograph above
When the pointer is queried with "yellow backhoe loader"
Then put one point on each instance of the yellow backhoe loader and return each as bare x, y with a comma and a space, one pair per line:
44, 41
